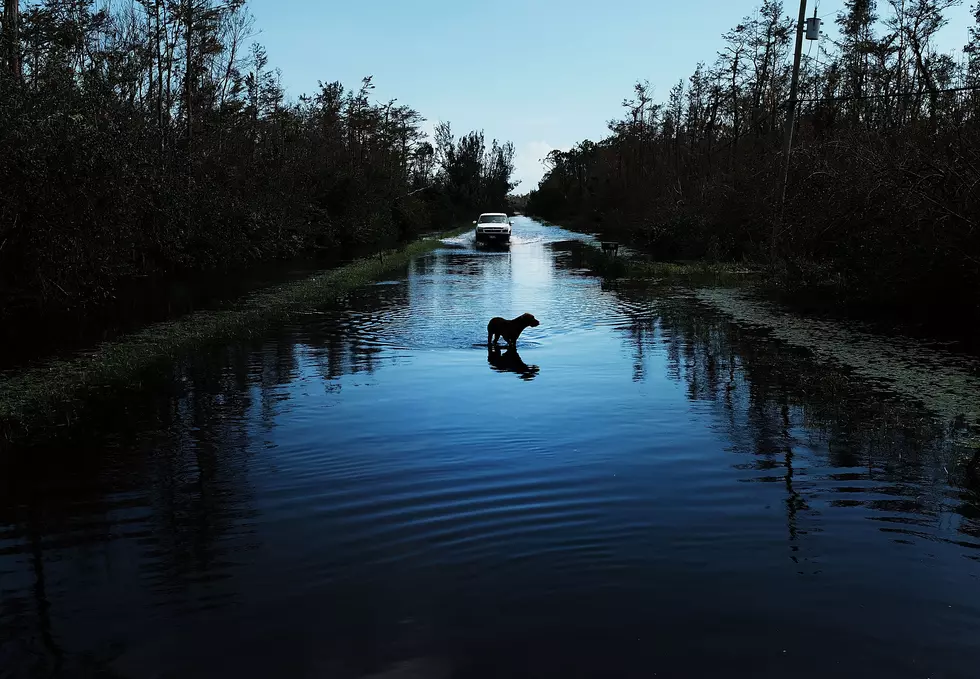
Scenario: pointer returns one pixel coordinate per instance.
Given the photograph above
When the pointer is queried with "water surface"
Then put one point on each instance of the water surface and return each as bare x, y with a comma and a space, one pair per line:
645, 488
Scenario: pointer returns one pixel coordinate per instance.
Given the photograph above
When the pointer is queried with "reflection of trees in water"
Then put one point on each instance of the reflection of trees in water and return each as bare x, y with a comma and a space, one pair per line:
774, 402
347, 340
37, 615
198, 485
202, 496
642, 332
53, 500
170, 476
164, 479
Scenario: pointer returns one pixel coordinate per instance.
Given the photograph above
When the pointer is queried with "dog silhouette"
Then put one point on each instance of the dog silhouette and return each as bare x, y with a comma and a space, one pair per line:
510, 330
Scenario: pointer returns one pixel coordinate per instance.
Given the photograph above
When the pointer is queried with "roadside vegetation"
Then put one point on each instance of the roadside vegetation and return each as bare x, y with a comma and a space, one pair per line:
626, 265
883, 195
148, 137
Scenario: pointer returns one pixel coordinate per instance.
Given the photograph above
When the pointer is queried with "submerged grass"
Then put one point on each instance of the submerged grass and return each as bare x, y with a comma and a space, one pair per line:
945, 384
627, 265
49, 390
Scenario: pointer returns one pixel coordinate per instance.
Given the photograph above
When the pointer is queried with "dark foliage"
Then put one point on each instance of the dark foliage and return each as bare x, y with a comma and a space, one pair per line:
152, 137
883, 197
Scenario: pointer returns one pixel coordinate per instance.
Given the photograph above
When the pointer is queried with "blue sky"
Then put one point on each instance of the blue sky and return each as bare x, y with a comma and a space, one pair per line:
542, 73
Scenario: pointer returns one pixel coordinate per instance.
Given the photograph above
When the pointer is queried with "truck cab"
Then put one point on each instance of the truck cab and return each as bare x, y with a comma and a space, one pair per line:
493, 227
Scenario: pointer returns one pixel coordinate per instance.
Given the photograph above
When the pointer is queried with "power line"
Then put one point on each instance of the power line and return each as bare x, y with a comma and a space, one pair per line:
950, 90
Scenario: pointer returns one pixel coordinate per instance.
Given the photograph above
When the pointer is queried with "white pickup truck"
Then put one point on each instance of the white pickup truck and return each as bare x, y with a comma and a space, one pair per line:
493, 227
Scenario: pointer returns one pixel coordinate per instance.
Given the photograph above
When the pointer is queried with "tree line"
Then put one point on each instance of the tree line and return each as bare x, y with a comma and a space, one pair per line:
882, 196
142, 137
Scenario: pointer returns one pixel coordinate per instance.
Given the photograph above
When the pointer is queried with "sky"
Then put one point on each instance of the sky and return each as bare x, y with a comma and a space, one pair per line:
543, 74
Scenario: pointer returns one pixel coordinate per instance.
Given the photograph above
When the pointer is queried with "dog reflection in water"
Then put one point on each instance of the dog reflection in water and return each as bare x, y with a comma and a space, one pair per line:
510, 361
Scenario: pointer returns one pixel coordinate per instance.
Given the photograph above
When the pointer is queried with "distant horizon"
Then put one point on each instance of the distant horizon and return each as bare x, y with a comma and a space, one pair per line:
534, 83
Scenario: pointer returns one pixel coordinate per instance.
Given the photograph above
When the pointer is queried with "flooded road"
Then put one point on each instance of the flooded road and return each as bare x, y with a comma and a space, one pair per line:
646, 488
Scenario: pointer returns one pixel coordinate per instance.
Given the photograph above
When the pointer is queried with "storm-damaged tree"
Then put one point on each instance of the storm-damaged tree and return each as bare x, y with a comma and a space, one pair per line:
884, 186
143, 136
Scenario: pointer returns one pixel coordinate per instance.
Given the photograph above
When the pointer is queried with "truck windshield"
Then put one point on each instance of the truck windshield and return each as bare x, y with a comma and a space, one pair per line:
493, 219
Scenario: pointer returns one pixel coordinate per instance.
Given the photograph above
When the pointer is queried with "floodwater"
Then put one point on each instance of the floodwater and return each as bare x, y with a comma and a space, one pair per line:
645, 488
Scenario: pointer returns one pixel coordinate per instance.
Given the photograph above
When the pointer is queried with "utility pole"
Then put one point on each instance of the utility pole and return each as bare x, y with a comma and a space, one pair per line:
790, 118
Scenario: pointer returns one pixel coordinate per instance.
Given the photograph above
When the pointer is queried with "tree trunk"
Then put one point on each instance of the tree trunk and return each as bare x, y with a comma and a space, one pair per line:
188, 74
188, 103
11, 37
159, 57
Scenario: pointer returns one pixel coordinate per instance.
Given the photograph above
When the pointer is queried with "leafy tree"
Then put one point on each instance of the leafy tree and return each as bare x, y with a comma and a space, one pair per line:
883, 199
145, 136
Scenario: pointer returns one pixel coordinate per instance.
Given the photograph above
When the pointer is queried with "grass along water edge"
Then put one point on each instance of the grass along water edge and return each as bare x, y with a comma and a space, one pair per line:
47, 391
